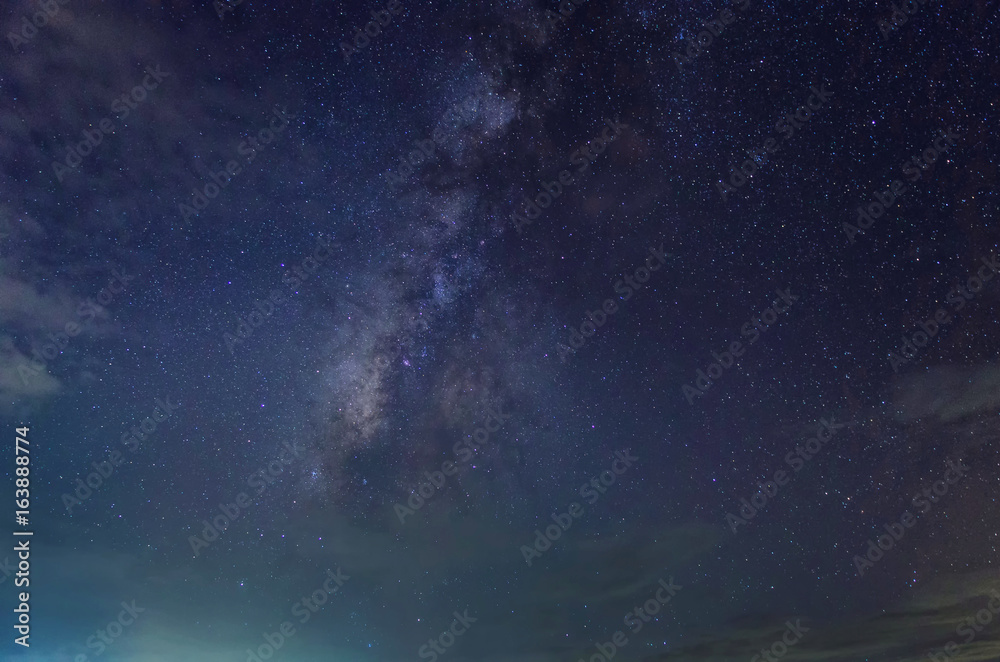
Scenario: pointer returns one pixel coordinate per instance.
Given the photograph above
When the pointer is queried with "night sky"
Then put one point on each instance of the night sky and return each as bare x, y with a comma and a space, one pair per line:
501, 331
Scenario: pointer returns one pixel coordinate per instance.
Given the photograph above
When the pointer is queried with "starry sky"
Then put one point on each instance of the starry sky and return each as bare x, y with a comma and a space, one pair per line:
502, 313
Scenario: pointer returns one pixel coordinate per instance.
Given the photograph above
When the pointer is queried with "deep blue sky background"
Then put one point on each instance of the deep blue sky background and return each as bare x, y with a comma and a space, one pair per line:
375, 399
